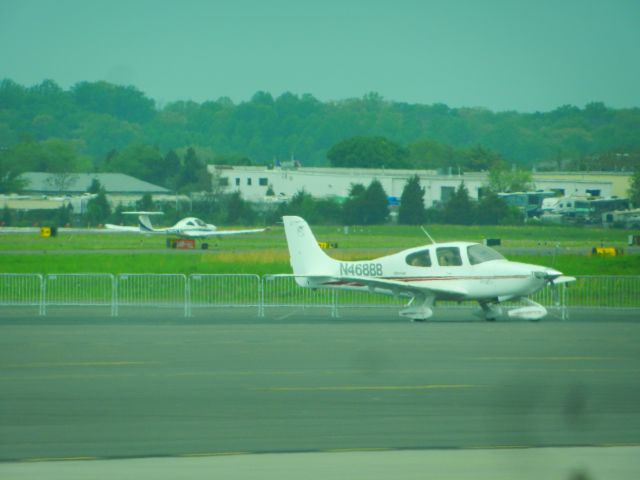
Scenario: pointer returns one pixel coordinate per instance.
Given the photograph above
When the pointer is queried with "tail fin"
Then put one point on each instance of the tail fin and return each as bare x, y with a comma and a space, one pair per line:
307, 258
144, 222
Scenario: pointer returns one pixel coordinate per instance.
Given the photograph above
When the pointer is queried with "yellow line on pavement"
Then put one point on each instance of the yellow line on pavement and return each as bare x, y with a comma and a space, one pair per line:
549, 359
212, 454
496, 447
60, 459
77, 364
374, 388
351, 450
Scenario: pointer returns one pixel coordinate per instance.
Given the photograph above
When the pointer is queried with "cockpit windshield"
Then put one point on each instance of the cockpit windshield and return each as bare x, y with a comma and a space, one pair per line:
480, 254
199, 222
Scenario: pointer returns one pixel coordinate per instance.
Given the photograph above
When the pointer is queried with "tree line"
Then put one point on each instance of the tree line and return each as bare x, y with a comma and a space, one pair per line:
96, 119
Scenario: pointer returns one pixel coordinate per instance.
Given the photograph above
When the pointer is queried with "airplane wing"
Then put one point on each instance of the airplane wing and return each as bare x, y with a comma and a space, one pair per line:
219, 233
401, 286
121, 228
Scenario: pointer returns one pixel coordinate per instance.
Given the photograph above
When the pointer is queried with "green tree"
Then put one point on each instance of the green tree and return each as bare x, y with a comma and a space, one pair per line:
140, 161
53, 155
239, 211
145, 204
366, 206
7, 218
301, 204
412, 211
430, 154
11, 180
368, 152
492, 210
63, 215
126, 103
95, 186
314, 211
376, 204
353, 207
98, 209
503, 180
459, 210
478, 158
193, 175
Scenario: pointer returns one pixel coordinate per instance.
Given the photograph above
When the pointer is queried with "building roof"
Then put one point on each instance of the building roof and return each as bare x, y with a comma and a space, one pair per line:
45, 183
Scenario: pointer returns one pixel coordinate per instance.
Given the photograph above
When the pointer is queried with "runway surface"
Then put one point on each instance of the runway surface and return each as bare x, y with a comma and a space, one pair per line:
87, 386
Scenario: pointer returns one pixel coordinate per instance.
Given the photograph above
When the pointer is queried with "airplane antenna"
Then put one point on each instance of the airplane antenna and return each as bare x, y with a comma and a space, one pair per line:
427, 234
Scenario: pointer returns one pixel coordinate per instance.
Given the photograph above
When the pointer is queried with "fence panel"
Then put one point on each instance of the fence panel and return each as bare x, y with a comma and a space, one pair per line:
79, 289
202, 291
164, 290
22, 289
283, 291
621, 291
225, 290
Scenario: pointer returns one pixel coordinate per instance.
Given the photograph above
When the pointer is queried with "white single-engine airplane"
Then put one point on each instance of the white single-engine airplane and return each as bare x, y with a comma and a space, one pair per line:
455, 271
189, 227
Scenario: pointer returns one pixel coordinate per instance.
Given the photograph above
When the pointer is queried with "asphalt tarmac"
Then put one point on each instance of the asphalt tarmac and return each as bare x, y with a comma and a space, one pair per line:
85, 386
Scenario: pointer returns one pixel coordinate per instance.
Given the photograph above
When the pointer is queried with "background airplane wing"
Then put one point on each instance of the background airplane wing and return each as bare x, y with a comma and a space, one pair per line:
219, 233
405, 286
121, 228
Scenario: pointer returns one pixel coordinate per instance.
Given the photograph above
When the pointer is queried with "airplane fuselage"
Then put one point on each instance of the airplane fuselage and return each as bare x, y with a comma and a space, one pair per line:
438, 267
455, 271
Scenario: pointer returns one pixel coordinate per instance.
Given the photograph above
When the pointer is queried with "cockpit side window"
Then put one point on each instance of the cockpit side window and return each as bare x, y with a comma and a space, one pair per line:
449, 257
419, 259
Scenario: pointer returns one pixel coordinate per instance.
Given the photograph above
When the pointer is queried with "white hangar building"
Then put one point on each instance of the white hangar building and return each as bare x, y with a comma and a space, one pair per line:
253, 182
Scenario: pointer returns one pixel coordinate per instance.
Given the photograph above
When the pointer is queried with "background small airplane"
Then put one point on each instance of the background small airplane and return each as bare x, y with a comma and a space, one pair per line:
456, 271
190, 227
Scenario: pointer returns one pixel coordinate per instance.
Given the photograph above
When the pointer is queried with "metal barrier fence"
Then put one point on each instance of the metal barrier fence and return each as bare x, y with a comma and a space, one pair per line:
200, 291
225, 290
22, 289
79, 289
282, 291
152, 290
621, 291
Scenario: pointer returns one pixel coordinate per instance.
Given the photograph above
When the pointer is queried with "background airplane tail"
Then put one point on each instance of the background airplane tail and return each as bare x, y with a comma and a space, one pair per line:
307, 258
145, 223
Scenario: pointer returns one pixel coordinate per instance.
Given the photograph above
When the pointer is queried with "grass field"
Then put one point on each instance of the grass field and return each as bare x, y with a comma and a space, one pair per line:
395, 237
266, 253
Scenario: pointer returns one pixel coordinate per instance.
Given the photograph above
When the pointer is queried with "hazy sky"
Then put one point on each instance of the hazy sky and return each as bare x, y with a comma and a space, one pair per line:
500, 54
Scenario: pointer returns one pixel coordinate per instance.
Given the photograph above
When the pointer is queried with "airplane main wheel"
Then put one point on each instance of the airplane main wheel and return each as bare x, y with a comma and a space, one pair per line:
205, 246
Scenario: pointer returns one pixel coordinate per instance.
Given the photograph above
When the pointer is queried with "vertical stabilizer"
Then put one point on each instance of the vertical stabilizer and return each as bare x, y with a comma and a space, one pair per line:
307, 258
144, 222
